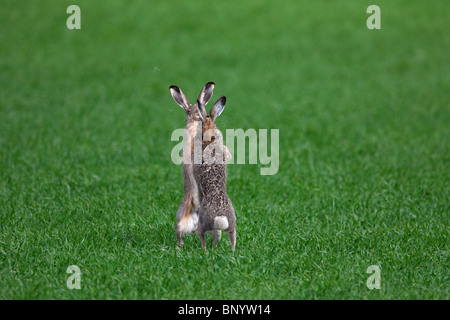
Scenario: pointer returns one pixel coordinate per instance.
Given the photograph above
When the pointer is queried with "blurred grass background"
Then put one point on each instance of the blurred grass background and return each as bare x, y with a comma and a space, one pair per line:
86, 176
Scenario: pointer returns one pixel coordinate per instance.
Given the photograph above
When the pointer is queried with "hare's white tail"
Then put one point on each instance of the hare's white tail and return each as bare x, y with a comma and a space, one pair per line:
220, 223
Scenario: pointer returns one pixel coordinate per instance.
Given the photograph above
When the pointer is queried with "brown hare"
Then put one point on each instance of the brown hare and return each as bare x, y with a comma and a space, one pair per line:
187, 214
216, 213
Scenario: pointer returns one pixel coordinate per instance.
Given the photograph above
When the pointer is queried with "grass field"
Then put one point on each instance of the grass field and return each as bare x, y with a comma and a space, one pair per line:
86, 176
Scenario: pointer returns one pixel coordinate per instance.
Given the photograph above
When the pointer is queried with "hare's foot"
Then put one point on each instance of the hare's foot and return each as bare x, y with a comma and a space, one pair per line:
216, 234
179, 238
232, 236
201, 235
179, 242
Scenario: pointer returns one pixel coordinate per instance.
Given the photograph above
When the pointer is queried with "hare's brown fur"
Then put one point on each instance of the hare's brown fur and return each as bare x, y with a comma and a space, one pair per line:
215, 202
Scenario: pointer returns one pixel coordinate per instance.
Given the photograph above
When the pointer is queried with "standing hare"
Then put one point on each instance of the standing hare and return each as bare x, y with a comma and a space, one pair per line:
216, 212
187, 214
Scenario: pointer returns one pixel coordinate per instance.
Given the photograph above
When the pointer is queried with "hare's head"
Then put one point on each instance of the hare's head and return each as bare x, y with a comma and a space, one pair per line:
209, 128
192, 110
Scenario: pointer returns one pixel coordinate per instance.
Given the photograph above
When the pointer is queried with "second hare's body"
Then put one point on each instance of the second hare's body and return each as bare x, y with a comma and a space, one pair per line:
216, 213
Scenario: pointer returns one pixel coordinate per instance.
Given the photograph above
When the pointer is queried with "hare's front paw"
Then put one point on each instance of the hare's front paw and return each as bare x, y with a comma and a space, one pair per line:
226, 153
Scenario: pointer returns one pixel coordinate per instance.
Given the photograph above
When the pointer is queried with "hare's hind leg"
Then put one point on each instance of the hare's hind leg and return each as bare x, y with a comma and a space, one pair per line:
179, 233
183, 213
179, 237
232, 236
201, 234
216, 235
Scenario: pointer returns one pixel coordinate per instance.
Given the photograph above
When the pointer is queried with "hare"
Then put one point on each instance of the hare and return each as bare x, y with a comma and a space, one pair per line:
216, 213
187, 214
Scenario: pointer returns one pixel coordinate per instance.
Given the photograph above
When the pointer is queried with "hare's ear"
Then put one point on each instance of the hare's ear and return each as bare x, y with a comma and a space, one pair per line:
201, 111
179, 97
217, 108
206, 93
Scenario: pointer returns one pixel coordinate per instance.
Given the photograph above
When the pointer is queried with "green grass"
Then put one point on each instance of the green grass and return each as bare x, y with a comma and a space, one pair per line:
86, 176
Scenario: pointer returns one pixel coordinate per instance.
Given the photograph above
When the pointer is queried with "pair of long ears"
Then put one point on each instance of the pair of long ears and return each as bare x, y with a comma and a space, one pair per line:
203, 98
216, 110
181, 99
